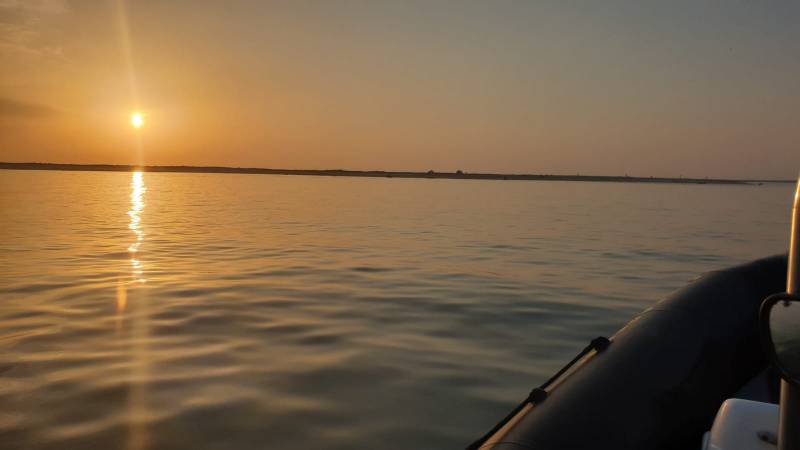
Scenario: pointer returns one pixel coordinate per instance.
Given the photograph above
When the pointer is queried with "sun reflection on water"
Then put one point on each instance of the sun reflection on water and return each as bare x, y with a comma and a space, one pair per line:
137, 205
136, 310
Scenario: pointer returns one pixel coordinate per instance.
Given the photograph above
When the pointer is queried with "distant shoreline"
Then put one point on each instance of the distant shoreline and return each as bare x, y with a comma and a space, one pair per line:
374, 173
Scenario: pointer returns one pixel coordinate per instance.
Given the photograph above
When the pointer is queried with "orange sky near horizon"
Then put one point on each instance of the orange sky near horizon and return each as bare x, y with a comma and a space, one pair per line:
647, 89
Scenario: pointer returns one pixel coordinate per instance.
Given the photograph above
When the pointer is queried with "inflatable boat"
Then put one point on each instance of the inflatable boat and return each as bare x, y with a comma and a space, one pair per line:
660, 381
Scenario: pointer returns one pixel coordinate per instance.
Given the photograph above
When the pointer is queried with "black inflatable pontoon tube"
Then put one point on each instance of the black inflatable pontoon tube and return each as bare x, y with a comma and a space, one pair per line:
660, 383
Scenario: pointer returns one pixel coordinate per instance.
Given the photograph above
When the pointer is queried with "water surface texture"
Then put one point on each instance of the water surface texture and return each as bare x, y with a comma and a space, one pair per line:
214, 311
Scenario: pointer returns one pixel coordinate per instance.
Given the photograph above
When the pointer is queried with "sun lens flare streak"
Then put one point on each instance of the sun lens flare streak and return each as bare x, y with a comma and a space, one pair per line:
138, 311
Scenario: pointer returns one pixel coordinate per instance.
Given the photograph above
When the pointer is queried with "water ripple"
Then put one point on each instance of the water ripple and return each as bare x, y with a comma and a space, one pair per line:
233, 311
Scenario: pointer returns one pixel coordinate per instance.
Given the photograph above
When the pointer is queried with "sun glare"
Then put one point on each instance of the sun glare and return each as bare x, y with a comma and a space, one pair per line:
137, 120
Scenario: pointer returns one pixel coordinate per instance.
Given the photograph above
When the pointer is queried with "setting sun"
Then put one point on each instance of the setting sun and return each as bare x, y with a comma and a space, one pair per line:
137, 120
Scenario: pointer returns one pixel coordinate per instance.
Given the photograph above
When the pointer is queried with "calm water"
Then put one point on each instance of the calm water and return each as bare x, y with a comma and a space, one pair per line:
210, 311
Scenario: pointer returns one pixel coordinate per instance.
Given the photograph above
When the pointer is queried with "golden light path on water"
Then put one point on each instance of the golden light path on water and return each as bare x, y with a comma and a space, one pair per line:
137, 205
137, 313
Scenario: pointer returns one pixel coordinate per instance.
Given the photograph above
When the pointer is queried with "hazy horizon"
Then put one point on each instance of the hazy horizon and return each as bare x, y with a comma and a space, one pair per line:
138, 167
623, 87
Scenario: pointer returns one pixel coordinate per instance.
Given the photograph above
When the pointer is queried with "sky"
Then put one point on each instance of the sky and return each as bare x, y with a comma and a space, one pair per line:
644, 88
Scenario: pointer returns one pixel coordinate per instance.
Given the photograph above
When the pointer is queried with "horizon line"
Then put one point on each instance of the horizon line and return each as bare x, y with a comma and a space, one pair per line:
431, 174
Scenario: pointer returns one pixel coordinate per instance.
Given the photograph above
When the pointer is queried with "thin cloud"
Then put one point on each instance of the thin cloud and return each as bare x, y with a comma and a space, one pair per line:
25, 110
24, 26
36, 6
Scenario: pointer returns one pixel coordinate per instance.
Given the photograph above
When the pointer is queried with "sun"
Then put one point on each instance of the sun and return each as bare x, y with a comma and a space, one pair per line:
137, 120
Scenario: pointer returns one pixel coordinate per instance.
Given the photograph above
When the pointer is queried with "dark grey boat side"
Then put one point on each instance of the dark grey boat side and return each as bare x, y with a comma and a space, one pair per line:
659, 383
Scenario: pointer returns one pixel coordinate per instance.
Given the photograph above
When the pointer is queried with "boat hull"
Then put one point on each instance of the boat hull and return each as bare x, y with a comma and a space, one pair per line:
665, 374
